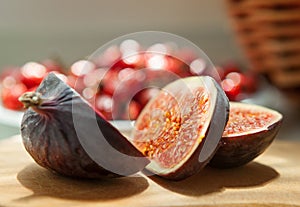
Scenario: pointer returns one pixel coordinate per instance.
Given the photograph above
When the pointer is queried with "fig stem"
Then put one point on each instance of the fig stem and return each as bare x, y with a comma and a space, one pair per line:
31, 99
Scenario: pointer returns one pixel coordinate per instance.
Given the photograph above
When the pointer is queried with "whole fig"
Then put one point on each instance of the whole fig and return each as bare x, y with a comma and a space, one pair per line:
63, 133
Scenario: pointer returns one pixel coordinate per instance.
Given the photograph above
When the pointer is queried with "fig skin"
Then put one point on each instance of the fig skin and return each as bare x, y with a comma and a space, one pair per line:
51, 136
237, 151
209, 144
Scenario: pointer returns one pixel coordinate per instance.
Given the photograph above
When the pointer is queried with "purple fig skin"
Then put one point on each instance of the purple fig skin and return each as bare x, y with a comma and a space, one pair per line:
52, 139
239, 150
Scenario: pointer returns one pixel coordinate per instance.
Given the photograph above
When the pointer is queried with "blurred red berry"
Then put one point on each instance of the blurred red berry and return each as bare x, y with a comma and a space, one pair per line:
76, 82
82, 67
110, 82
231, 67
32, 74
231, 89
178, 67
134, 110
104, 104
10, 96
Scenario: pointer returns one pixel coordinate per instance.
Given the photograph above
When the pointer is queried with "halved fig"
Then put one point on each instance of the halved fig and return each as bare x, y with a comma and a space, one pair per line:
249, 131
63, 133
179, 130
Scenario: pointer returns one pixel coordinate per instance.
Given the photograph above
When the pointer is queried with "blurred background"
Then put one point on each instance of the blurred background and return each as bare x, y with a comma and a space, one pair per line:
35, 30
32, 30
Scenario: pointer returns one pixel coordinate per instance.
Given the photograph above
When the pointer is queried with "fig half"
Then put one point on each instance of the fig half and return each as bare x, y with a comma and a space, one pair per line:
248, 133
63, 133
179, 130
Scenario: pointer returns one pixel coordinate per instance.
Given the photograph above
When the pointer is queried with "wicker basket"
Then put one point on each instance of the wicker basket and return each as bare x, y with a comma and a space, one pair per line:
269, 32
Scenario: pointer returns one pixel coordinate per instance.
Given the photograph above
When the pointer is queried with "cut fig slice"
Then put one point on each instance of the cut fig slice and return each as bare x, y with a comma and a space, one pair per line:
248, 133
179, 130
63, 133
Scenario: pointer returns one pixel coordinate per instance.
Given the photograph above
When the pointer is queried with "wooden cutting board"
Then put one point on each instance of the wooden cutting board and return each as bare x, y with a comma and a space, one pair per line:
273, 179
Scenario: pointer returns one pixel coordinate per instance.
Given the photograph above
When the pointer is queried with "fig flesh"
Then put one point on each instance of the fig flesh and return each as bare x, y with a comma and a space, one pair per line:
63, 133
248, 133
179, 130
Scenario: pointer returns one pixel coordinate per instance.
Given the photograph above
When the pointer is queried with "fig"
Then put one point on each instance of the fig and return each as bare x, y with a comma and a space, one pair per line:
63, 133
248, 133
179, 129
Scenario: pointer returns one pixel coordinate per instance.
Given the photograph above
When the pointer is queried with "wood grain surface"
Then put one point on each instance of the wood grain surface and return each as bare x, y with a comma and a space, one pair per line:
273, 179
